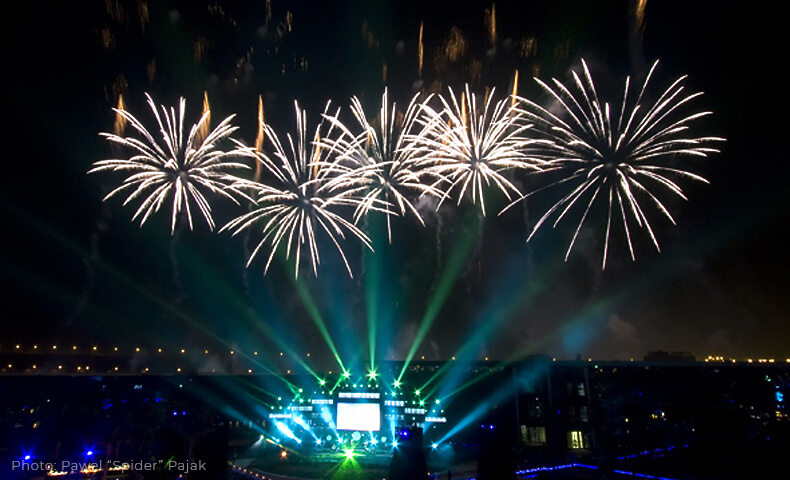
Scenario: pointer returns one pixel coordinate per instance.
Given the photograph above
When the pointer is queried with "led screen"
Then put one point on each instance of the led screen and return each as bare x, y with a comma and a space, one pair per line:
359, 416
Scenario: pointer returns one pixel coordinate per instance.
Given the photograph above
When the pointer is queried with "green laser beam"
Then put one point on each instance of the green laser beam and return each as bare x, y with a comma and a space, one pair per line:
458, 258
315, 315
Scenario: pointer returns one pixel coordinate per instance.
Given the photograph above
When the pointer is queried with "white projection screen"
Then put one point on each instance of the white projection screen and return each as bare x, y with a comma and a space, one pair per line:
359, 416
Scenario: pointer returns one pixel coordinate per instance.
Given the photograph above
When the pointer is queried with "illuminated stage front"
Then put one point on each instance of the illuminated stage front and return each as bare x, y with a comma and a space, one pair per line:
361, 417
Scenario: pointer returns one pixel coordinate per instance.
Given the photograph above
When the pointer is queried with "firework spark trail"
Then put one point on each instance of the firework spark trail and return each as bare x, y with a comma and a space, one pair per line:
380, 160
469, 147
420, 52
259, 138
303, 200
620, 155
181, 168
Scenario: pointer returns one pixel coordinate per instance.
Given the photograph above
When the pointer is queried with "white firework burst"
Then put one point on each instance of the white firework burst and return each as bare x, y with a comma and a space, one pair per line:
381, 159
470, 147
622, 154
181, 169
304, 198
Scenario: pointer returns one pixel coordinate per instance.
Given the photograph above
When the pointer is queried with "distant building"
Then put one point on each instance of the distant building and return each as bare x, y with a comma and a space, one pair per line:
543, 411
662, 356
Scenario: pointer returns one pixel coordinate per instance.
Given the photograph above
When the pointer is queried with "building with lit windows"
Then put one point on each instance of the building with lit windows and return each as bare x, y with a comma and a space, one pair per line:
642, 415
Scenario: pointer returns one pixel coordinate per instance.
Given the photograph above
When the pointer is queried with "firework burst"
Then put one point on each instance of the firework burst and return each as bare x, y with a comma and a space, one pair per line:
469, 147
302, 200
181, 169
622, 154
381, 160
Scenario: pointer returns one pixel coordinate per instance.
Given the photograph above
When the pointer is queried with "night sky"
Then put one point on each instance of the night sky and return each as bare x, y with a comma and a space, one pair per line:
75, 270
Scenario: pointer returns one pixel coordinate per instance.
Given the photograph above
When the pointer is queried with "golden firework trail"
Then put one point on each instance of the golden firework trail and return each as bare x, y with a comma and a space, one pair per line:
420, 52
641, 6
259, 139
206, 120
490, 21
514, 94
120, 120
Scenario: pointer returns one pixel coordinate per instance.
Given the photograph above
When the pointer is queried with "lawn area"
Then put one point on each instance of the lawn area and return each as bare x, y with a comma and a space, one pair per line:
326, 466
